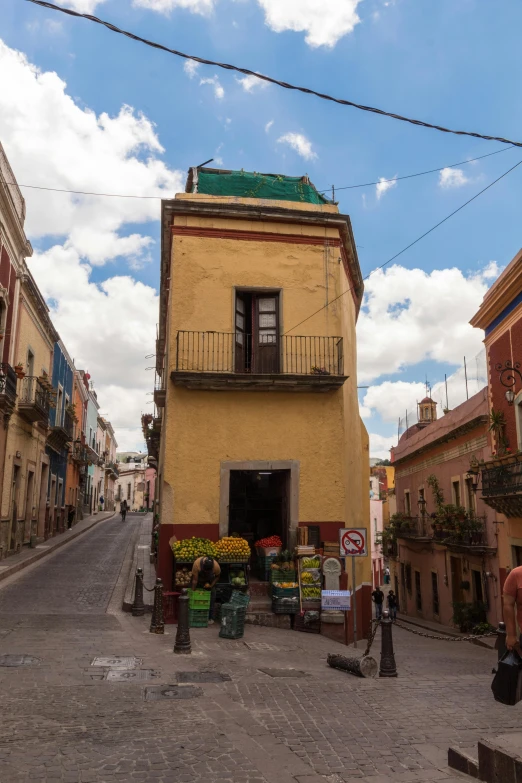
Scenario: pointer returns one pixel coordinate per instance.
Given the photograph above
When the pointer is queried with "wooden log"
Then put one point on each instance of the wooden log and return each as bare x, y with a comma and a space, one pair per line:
361, 667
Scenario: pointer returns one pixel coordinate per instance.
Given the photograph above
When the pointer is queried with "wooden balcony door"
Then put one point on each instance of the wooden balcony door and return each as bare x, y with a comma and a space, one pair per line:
257, 332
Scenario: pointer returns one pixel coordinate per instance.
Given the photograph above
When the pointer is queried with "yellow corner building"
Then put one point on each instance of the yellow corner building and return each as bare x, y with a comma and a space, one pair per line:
257, 430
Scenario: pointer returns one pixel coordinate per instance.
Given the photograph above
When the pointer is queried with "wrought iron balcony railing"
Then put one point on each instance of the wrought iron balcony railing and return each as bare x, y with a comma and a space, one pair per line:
415, 527
236, 352
33, 399
7, 383
502, 488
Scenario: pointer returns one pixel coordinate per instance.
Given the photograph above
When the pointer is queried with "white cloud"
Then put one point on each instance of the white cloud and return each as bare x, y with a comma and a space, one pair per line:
409, 316
82, 6
53, 142
108, 328
452, 178
380, 445
299, 143
191, 67
203, 7
219, 92
324, 25
268, 126
251, 83
383, 185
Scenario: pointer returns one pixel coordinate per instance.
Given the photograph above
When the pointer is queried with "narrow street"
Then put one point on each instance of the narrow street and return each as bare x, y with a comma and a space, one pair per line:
62, 720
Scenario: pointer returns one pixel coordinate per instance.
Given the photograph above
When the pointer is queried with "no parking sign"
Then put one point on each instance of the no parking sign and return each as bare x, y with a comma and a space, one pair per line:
353, 542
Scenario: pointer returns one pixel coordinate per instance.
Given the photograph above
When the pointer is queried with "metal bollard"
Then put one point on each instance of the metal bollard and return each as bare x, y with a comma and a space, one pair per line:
500, 644
388, 667
157, 623
138, 607
361, 667
182, 644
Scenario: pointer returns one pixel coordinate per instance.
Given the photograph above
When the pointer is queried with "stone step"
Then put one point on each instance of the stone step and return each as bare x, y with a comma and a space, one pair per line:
499, 759
268, 620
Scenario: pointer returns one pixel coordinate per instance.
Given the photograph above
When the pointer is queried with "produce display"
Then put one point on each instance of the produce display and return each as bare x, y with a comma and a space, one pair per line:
310, 577
269, 543
237, 578
285, 584
310, 592
311, 562
191, 548
183, 577
283, 562
232, 549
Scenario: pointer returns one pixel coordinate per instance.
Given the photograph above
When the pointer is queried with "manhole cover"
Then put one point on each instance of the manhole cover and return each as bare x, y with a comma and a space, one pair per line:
202, 677
121, 675
172, 692
260, 646
117, 662
18, 660
284, 672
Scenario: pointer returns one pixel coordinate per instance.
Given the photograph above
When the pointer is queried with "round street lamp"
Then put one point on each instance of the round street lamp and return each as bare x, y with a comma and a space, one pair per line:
510, 396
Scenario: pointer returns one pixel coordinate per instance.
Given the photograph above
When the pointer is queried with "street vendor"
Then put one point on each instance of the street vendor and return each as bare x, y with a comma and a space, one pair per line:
205, 574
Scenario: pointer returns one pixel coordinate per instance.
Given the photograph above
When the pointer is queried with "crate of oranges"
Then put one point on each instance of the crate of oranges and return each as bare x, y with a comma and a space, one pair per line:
232, 549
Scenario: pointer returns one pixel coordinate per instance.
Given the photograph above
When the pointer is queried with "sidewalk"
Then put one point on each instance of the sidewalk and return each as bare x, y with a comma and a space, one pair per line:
141, 559
11, 565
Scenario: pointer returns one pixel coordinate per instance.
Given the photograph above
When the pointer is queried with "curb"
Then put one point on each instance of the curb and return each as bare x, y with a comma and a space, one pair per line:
11, 571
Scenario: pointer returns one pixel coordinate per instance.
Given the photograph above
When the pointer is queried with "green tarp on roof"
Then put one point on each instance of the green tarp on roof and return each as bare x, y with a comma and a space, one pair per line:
252, 185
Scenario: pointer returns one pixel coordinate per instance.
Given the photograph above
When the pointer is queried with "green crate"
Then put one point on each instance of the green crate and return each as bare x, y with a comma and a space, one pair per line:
199, 599
285, 592
239, 599
282, 576
285, 605
232, 621
198, 618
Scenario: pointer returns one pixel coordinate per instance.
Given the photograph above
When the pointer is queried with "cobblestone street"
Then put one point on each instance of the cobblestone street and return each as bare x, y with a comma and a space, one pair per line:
63, 721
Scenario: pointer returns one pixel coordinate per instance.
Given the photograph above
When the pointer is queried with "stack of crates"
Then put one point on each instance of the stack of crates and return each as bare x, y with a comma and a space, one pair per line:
233, 616
199, 607
264, 565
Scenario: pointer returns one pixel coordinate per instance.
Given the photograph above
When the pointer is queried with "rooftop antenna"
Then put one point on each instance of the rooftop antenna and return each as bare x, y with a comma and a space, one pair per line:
210, 160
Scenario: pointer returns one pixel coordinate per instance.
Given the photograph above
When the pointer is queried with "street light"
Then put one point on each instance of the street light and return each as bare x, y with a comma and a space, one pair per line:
508, 378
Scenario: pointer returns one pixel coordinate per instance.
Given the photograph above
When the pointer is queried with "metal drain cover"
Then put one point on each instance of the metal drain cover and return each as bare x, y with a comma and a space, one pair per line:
155, 693
117, 662
19, 660
260, 646
137, 675
202, 677
284, 672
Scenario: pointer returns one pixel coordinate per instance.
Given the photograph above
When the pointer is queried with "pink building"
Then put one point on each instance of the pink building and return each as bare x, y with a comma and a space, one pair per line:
150, 488
376, 527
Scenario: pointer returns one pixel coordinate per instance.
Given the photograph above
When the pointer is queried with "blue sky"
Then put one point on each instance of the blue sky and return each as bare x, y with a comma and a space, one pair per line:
450, 63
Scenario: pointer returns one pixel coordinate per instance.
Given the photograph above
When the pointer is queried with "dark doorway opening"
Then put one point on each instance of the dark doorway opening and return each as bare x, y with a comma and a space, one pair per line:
257, 332
258, 504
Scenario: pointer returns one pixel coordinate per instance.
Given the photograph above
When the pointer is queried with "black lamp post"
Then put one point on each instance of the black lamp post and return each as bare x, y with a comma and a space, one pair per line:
509, 374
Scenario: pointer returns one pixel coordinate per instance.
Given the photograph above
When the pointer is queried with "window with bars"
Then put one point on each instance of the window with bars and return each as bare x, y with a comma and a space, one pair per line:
418, 594
435, 593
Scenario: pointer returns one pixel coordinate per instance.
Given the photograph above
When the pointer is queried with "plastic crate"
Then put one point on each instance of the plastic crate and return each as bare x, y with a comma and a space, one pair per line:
234, 559
232, 621
199, 599
285, 605
170, 607
285, 592
308, 622
198, 618
239, 599
223, 593
277, 575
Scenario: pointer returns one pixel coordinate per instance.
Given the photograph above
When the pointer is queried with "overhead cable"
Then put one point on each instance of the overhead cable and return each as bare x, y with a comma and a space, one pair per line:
271, 80
404, 249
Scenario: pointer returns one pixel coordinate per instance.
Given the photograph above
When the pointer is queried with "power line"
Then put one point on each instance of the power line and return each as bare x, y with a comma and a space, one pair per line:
271, 80
419, 174
346, 187
411, 243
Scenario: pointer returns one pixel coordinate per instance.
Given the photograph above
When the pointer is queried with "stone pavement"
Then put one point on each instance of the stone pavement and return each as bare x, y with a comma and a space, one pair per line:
11, 565
63, 719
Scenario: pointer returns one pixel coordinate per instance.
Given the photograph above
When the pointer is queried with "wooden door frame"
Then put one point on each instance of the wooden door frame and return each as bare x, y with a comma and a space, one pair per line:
293, 466
265, 291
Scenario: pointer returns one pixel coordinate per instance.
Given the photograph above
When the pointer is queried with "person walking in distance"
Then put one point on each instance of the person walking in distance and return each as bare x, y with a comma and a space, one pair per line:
123, 509
386, 576
378, 599
512, 602
392, 605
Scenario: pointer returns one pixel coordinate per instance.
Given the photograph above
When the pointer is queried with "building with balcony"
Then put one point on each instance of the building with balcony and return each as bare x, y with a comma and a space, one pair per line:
257, 429
500, 316
77, 457
442, 541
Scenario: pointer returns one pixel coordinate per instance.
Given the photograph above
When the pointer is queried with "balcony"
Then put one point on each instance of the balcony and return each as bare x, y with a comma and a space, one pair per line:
471, 537
7, 388
33, 400
61, 434
79, 454
233, 360
160, 392
468, 534
502, 487
415, 527
111, 468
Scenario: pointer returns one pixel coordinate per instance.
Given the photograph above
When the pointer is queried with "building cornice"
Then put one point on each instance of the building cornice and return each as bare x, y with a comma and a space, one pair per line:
453, 434
501, 294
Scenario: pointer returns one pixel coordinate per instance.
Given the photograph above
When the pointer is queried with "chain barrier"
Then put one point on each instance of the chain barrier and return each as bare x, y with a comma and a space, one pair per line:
371, 635
445, 638
148, 589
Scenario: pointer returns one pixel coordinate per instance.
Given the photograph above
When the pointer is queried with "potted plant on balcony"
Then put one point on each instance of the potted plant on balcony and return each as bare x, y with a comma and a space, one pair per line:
19, 370
319, 371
